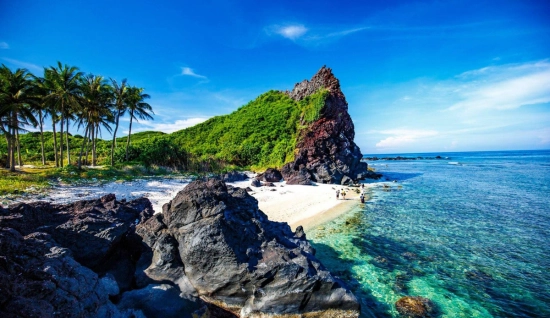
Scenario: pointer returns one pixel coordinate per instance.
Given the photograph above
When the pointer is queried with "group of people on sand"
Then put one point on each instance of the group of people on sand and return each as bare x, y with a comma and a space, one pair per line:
342, 192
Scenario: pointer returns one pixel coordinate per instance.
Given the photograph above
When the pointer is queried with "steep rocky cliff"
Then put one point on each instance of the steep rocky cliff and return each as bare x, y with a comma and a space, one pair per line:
325, 150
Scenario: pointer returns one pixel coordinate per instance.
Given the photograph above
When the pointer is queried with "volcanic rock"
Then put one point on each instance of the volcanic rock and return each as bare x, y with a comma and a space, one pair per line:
270, 175
325, 151
415, 307
39, 278
234, 176
213, 237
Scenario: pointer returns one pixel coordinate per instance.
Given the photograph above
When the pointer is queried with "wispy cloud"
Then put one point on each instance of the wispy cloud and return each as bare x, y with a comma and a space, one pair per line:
4, 45
189, 72
504, 87
29, 66
169, 127
291, 32
402, 137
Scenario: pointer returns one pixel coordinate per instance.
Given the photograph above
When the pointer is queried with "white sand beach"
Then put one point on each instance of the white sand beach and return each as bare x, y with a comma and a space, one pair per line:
308, 206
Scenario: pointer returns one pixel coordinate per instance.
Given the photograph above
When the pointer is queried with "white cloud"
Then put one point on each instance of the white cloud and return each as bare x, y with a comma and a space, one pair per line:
291, 32
167, 127
189, 72
402, 137
29, 66
4, 45
503, 87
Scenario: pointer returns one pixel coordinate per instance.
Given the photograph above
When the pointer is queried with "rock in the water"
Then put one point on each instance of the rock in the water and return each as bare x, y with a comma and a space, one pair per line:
234, 176
158, 300
325, 149
256, 183
270, 175
235, 257
415, 307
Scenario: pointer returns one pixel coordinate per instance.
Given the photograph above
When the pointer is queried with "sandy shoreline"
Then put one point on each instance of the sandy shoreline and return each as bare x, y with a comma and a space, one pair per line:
309, 206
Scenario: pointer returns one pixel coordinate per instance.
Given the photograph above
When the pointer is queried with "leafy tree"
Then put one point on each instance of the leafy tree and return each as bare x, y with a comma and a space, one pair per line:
137, 108
120, 107
16, 96
62, 84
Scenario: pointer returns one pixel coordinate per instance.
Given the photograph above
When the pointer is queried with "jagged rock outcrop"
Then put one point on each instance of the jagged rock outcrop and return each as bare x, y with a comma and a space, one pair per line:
325, 151
212, 238
48, 251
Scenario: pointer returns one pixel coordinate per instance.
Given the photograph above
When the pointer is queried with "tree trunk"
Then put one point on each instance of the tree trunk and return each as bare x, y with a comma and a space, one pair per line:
19, 161
68, 148
82, 147
114, 140
129, 133
12, 144
55, 142
7, 136
88, 144
41, 118
61, 139
94, 137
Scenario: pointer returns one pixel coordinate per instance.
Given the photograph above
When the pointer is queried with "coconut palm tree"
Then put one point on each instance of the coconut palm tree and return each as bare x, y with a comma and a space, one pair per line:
16, 95
96, 100
120, 92
137, 108
63, 92
41, 109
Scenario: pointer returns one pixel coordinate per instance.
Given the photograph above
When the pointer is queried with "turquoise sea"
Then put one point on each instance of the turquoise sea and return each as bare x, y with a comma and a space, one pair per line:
473, 236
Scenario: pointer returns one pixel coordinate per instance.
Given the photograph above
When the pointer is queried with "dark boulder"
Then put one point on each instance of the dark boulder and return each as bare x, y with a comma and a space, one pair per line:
233, 256
91, 229
39, 278
234, 176
415, 307
270, 175
300, 176
256, 183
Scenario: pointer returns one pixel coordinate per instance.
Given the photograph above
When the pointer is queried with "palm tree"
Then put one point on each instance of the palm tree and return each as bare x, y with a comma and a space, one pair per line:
63, 91
41, 109
97, 96
120, 92
16, 95
137, 108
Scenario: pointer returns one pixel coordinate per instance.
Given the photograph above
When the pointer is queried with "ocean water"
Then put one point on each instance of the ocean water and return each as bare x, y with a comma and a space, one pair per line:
473, 237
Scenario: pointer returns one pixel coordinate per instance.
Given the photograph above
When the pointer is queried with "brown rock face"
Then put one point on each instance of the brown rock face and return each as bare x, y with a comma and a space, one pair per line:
326, 152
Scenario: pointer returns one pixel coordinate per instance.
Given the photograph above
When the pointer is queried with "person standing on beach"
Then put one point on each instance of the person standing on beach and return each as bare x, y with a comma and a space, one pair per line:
343, 194
337, 194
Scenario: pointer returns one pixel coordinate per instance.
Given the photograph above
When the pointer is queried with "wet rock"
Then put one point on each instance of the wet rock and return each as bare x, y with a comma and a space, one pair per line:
270, 175
158, 300
256, 183
235, 257
415, 307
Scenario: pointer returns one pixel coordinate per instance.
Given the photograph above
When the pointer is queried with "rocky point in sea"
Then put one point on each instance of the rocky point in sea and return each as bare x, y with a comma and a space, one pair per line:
325, 150
211, 253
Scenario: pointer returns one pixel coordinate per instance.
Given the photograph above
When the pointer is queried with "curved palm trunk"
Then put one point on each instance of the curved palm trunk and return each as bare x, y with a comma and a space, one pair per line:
42, 137
82, 147
61, 139
114, 140
12, 143
94, 138
68, 148
55, 142
129, 133
19, 161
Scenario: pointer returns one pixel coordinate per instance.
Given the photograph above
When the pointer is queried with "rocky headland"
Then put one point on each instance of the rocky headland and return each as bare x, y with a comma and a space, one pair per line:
211, 253
325, 150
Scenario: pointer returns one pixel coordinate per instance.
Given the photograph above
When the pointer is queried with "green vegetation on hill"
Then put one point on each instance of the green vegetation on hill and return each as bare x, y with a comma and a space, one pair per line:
261, 134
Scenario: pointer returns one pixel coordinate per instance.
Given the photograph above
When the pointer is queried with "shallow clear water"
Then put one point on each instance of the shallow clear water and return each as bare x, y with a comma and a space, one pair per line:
472, 237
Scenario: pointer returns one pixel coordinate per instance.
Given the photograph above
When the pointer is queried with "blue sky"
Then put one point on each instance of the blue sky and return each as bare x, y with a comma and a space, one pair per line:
419, 76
